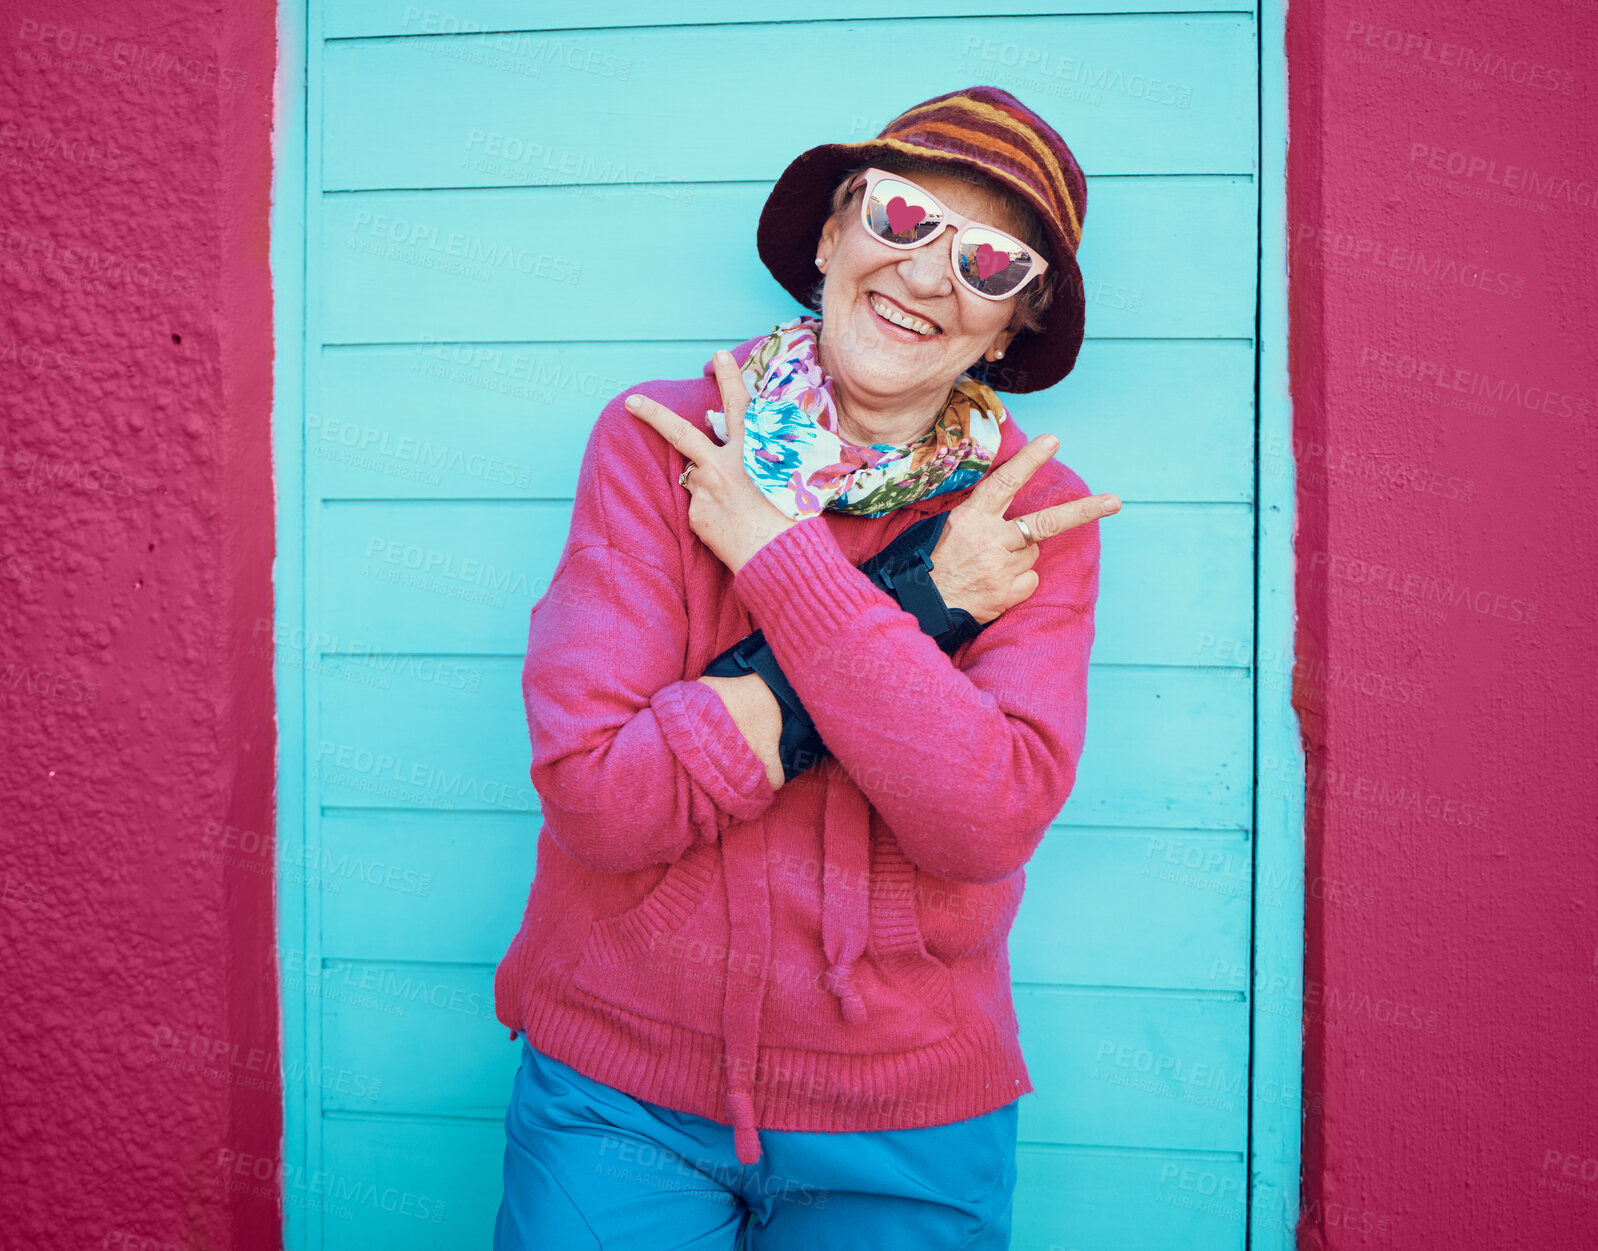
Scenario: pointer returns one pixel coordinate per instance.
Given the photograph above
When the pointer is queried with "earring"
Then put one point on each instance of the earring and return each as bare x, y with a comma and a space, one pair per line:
820, 264
999, 355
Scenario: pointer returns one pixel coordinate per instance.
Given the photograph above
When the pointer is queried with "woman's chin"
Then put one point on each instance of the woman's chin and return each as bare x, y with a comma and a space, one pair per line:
879, 372
884, 356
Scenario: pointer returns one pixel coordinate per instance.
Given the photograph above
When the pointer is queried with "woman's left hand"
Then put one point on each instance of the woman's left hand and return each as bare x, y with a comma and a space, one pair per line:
729, 513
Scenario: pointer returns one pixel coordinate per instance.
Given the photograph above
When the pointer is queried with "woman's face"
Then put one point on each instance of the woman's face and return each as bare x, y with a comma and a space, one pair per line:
869, 355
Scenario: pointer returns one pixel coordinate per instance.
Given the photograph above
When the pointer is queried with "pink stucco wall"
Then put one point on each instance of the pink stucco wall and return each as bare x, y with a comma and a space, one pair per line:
1442, 202
1442, 218
140, 1021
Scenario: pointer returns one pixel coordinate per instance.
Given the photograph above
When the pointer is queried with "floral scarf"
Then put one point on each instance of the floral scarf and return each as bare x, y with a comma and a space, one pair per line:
796, 455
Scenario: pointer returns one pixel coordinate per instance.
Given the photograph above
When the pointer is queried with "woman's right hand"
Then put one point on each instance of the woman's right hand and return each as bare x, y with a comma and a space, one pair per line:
981, 563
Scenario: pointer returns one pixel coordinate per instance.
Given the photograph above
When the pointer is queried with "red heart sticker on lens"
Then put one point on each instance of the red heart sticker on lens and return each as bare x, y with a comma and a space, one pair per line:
990, 260
901, 217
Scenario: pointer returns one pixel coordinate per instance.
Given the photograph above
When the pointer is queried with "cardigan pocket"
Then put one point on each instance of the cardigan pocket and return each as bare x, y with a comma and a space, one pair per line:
963, 920
908, 997
908, 992
665, 958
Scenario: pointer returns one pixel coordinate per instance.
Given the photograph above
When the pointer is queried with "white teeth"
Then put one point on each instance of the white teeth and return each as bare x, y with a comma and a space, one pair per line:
900, 318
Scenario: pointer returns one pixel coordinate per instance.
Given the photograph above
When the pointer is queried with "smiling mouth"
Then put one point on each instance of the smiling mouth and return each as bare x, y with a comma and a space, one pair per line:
893, 314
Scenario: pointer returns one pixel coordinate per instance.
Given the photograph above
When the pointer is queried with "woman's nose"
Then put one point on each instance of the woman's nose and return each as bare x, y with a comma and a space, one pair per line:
926, 269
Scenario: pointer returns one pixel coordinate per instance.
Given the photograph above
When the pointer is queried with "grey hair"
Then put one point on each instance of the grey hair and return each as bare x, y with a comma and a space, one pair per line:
1038, 295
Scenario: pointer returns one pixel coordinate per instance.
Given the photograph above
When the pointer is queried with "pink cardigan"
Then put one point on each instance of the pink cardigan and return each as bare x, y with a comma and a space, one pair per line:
831, 956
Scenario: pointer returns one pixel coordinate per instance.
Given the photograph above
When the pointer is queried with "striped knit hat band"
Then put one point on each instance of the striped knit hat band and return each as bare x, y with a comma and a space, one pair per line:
980, 128
1010, 145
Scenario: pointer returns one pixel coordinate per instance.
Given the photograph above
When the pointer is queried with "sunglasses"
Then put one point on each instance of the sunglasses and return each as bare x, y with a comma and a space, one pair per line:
987, 262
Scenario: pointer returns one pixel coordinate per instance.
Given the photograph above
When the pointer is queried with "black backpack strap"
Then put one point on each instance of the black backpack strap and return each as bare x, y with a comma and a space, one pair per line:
799, 744
903, 569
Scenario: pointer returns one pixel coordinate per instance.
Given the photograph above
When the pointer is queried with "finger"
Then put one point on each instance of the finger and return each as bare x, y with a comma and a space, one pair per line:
734, 395
682, 435
1059, 518
1014, 542
1023, 588
998, 487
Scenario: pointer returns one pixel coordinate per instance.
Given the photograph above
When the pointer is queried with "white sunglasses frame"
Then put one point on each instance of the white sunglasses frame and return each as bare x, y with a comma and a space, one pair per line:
873, 176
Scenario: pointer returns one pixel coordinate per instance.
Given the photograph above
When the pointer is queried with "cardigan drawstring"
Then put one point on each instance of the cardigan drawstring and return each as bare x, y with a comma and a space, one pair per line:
845, 926
845, 873
748, 895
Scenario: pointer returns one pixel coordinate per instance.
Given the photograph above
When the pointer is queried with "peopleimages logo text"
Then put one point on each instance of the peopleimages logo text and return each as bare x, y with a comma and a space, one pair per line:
1511, 69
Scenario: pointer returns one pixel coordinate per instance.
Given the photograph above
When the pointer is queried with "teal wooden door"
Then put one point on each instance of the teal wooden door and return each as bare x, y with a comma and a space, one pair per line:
472, 285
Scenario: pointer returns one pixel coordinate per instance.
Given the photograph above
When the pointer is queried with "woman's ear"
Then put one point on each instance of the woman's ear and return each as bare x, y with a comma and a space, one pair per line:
828, 240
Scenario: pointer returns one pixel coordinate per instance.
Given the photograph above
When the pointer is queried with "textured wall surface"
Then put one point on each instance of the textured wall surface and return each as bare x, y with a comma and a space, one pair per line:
1442, 191
1443, 204
139, 1033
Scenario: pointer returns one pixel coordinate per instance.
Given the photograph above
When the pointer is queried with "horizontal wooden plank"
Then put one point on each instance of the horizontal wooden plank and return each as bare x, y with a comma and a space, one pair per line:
538, 263
1130, 94
445, 577
1095, 1201
1153, 420
1128, 1071
465, 420
424, 1184
510, 420
421, 886
459, 577
347, 18
1082, 1199
1161, 909
443, 737
1165, 747
385, 1024
1119, 1070
1173, 580
1158, 909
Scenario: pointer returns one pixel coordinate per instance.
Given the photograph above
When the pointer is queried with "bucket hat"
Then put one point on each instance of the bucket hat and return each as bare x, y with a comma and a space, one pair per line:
982, 128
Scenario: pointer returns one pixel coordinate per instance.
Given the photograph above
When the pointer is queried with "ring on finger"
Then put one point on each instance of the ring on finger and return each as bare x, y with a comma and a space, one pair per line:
682, 478
1028, 538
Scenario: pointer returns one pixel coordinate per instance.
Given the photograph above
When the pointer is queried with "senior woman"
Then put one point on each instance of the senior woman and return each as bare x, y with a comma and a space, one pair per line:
764, 994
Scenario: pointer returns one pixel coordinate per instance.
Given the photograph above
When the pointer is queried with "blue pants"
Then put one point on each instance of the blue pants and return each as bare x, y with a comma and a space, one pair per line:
588, 1168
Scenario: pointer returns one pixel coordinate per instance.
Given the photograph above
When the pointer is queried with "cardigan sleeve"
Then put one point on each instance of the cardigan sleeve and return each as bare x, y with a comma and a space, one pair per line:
632, 761
967, 758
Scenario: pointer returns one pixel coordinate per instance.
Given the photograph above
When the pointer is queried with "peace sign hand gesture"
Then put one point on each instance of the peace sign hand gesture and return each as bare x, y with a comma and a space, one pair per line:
981, 562
729, 513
